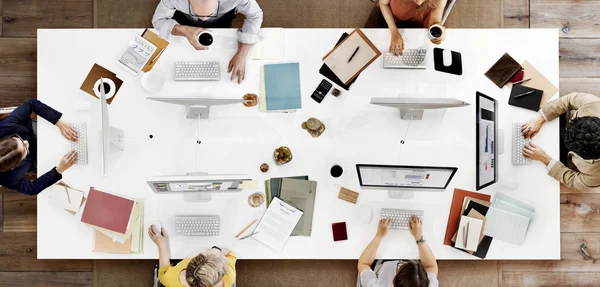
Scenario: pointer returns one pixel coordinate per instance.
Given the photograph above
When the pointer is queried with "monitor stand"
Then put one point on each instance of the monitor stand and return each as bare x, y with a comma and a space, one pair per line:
197, 196
398, 194
410, 114
197, 112
117, 138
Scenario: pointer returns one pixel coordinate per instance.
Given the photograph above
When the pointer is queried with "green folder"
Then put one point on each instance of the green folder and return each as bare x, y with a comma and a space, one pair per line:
273, 185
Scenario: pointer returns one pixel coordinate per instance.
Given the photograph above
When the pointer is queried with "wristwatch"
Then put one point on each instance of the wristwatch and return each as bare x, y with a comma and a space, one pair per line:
422, 240
214, 247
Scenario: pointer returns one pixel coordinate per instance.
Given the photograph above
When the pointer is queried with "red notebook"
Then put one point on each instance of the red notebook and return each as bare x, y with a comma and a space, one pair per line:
455, 208
107, 210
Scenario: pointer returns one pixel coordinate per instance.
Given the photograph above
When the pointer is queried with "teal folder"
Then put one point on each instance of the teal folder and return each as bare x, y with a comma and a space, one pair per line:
282, 86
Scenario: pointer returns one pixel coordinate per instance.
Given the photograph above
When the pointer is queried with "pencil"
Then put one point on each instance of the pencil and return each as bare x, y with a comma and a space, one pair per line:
245, 228
248, 236
467, 237
68, 196
464, 237
521, 81
157, 55
524, 94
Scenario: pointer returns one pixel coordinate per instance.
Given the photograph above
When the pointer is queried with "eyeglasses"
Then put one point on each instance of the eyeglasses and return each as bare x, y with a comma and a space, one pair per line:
213, 15
24, 145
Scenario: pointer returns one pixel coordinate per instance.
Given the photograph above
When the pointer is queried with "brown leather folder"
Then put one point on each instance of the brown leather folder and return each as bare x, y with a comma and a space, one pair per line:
456, 208
160, 44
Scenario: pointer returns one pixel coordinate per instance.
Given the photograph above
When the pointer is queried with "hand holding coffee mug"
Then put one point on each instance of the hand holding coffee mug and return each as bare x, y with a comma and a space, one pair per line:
437, 33
193, 35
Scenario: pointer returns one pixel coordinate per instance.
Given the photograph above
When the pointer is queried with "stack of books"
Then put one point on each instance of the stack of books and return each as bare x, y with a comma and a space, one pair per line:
300, 193
117, 221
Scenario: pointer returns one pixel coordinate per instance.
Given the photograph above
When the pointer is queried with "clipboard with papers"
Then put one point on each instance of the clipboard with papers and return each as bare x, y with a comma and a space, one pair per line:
277, 224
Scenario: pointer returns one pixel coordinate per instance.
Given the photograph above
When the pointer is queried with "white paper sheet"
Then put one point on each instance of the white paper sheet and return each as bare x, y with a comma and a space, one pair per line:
277, 224
473, 233
59, 198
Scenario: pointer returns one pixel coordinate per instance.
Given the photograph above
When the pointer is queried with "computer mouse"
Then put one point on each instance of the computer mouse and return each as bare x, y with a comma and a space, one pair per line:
82, 106
447, 56
366, 214
157, 225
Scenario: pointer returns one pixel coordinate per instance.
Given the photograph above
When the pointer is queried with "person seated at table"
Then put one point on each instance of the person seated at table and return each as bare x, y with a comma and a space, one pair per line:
581, 138
212, 267
190, 17
18, 148
398, 273
394, 14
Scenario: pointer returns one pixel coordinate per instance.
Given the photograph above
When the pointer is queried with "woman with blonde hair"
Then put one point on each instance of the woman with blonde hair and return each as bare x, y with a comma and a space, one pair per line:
395, 14
214, 267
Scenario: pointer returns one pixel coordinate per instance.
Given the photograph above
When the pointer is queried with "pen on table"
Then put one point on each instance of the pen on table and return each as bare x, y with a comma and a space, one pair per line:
157, 55
248, 236
464, 237
68, 196
245, 228
353, 54
467, 237
524, 94
521, 81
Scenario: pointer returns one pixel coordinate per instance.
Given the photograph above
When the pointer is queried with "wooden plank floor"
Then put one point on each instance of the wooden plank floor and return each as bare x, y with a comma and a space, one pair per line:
578, 21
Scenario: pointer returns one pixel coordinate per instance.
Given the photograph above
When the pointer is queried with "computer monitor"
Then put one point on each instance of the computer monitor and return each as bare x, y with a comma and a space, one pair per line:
411, 108
197, 186
111, 136
401, 181
197, 106
486, 133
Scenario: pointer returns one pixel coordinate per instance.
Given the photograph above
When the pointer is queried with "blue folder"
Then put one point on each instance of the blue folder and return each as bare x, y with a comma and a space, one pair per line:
282, 86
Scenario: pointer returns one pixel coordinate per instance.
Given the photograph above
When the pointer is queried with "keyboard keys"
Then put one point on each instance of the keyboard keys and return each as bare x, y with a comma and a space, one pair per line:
411, 58
197, 71
81, 145
400, 217
518, 141
197, 225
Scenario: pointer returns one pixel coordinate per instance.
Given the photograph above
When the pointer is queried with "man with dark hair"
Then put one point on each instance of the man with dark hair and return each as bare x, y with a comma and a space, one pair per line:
582, 138
412, 273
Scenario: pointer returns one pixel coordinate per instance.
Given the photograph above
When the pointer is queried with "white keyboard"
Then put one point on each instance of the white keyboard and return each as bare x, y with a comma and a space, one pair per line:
197, 71
197, 225
518, 141
400, 217
81, 145
410, 59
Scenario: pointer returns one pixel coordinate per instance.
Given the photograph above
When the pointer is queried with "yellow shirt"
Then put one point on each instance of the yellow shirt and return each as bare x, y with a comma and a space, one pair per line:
169, 275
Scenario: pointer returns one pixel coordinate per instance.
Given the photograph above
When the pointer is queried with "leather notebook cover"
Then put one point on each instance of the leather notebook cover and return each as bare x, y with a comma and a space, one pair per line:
328, 73
503, 70
160, 44
538, 81
348, 195
339, 231
530, 102
107, 211
455, 211
438, 62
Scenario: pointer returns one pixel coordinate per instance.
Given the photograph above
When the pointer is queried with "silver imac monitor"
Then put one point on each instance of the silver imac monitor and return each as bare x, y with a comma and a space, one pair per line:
110, 135
197, 186
411, 108
401, 181
197, 106
487, 147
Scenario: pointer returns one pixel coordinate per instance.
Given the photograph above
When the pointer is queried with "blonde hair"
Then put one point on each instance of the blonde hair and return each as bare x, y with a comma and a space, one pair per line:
206, 269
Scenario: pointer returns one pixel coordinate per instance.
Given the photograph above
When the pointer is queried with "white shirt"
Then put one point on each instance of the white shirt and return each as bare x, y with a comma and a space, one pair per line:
385, 274
248, 34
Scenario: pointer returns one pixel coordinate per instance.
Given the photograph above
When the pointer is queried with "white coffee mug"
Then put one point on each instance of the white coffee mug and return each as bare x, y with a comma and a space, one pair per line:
435, 31
206, 38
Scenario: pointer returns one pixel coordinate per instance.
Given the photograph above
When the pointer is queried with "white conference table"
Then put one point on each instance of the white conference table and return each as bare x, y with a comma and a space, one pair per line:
237, 139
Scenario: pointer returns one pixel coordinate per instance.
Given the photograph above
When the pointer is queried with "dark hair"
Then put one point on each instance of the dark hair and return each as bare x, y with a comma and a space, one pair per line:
582, 136
411, 274
10, 156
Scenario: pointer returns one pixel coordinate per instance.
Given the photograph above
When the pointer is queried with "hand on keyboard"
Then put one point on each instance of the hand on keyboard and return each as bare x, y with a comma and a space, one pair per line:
415, 225
383, 227
67, 130
533, 126
534, 152
67, 161
397, 44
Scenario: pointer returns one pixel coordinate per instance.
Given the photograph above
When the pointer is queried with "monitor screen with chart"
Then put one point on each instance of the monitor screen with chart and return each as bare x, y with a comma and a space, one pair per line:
408, 177
486, 133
